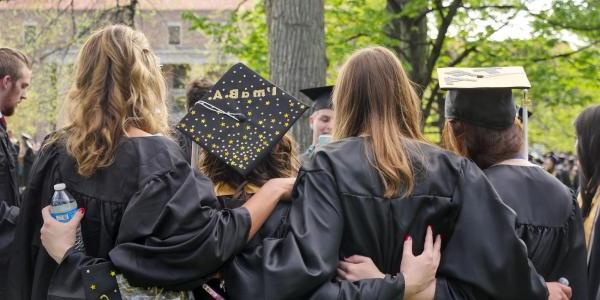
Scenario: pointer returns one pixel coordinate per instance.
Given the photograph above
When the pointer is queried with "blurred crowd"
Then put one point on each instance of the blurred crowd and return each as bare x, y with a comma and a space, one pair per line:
561, 165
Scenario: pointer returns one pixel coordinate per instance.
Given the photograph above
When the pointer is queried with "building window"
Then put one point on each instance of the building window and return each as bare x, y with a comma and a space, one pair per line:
29, 33
174, 34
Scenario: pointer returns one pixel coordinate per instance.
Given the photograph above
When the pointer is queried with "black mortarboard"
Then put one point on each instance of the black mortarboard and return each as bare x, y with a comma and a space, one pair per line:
241, 118
482, 96
321, 97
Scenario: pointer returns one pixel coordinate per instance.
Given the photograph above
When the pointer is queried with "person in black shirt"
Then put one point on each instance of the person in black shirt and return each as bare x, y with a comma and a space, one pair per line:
15, 76
482, 125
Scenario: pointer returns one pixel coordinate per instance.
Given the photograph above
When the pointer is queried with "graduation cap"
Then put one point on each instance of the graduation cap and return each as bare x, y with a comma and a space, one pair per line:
241, 118
483, 96
321, 97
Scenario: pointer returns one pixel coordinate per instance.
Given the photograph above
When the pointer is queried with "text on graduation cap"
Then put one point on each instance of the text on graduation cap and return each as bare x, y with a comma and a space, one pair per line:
235, 93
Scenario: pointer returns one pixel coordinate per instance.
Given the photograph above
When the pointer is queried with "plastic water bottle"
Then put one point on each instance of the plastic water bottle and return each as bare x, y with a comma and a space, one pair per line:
63, 209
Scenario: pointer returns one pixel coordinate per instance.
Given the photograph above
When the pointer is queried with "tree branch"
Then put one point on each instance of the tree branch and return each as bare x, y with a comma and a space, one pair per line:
429, 103
566, 54
561, 25
484, 7
355, 36
75, 38
462, 56
440, 7
439, 41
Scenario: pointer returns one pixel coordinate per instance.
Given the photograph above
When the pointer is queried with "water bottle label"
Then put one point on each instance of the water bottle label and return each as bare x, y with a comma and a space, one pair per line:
62, 215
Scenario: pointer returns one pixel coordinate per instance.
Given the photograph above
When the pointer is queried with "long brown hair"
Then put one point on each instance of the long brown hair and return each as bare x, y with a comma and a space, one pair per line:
118, 84
587, 127
485, 146
282, 161
374, 97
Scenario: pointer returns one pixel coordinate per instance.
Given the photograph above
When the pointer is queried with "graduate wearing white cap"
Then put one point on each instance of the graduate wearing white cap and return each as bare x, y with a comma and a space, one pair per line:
482, 124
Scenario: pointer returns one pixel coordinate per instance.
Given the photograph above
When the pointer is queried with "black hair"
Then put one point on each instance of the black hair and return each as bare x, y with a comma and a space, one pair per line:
587, 127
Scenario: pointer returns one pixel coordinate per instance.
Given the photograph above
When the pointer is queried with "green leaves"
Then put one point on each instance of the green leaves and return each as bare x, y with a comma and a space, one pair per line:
561, 56
242, 34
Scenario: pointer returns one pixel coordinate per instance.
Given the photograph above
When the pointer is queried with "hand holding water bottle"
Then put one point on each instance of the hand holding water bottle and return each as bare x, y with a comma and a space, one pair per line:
58, 237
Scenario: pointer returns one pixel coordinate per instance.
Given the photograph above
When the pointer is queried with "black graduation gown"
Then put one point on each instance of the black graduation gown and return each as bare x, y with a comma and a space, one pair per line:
148, 213
9, 197
276, 226
185, 144
338, 210
9, 187
9, 216
548, 221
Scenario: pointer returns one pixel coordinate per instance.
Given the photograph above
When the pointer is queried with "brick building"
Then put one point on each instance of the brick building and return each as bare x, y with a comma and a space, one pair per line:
51, 31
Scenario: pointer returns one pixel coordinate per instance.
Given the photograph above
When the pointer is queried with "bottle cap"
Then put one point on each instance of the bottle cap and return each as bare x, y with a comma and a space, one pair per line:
59, 186
563, 281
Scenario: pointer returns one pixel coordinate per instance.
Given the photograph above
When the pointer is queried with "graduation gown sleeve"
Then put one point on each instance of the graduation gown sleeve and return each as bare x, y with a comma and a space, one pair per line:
8, 220
167, 237
391, 287
484, 258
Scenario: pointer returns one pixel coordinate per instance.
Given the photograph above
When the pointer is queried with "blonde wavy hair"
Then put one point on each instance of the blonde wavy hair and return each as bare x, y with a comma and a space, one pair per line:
118, 85
373, 97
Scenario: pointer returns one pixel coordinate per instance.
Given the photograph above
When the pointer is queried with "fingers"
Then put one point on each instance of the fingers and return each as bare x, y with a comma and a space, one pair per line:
341, 274
357, 259
428, 240
344, 272
566, 290
561, 295
345, 266
408, 246
558, 291
437, 246
46, 214
77, 217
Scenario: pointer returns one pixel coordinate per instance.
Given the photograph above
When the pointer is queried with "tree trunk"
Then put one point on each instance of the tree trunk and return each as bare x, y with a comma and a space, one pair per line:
297, 51
417, 50
411, 32
126, 14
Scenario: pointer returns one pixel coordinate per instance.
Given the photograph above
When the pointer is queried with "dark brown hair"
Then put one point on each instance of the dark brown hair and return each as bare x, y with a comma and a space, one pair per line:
587, 128
11, 63
196, 90
282, 161
485, 146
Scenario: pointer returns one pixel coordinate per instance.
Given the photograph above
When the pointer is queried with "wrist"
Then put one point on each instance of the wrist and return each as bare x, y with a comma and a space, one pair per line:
64, 251
410, 288
275, 188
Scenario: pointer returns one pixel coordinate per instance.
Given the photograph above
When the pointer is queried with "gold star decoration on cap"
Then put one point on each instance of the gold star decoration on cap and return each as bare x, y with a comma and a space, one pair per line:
241, 118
